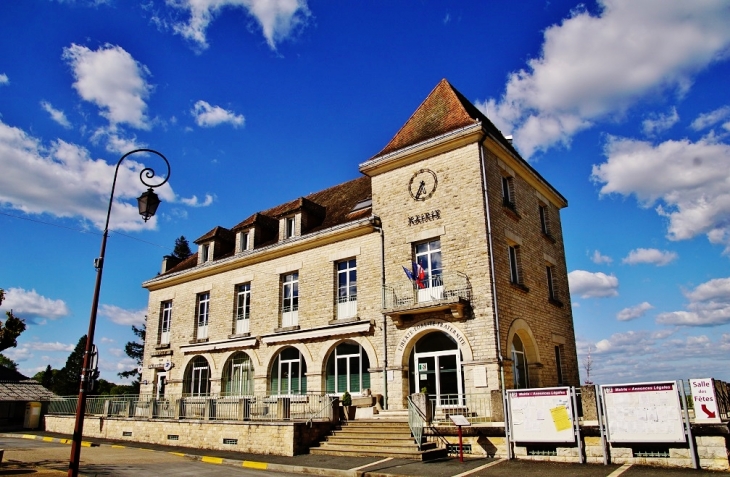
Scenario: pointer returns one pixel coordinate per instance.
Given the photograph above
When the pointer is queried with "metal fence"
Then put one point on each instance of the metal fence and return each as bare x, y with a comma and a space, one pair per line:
304, 407
475, 407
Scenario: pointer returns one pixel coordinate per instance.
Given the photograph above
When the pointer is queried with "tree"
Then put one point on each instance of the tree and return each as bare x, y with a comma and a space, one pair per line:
182, 248
588, 366
46, 377
68, 379
135, 350
11, 329
8, 363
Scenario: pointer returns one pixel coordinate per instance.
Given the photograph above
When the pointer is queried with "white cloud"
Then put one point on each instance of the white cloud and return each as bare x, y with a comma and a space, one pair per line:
208, 116
596, 67
24, 351
56, 114
104, 339
599, 258
54, 346
4, 79
30, 305
708, 119
658, 123
194, 202
64, 181
115, 141
709, 305
650, 255
592, 285
110, 78
634, 312
277, 18
121, 316
688, 180
622, 357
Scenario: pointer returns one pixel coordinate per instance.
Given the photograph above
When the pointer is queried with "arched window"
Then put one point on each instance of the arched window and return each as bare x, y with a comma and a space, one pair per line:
238, 375
347, 369
288, 373
197, 377
519, 364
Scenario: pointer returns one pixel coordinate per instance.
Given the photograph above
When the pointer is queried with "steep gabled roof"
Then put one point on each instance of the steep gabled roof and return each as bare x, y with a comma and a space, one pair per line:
443, 110
217, 233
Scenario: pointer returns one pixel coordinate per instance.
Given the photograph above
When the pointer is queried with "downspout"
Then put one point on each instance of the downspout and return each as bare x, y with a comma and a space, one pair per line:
491, 264
379, 226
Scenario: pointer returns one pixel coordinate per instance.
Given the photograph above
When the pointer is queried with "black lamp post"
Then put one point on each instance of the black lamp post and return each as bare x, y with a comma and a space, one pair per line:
147, 203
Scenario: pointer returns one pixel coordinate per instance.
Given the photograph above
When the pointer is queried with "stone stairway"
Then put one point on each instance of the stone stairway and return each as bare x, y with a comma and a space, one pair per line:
377, 438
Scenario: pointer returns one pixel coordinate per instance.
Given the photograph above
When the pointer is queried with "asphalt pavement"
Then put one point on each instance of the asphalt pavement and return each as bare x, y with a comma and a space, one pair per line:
47, 452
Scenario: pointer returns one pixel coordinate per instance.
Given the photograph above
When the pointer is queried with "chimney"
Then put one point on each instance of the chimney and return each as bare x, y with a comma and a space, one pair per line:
168, 262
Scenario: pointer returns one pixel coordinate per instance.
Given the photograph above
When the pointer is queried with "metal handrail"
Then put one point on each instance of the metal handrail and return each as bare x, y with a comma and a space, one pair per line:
416, 421
446, 286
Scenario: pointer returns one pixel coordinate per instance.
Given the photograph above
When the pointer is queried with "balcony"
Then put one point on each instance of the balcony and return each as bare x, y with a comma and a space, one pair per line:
450, 291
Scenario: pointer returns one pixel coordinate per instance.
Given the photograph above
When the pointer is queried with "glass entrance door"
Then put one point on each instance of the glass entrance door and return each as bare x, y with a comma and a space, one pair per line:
440, 373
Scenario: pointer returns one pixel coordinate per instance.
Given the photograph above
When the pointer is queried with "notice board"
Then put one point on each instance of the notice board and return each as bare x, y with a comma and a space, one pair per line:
643, 412
541, 415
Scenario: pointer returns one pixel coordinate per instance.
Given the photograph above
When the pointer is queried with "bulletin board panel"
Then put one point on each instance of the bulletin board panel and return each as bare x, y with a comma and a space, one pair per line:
541, 415
643, 412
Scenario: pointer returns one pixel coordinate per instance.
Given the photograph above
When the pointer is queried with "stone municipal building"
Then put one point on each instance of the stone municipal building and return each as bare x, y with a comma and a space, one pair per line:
441, 266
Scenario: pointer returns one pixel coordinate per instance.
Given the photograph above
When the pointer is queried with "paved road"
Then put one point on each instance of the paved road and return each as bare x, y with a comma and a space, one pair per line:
116, 461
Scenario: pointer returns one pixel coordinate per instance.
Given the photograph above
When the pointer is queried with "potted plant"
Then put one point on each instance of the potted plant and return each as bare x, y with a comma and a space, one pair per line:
347, 407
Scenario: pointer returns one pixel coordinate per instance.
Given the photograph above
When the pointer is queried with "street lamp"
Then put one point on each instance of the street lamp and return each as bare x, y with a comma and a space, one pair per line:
147, 203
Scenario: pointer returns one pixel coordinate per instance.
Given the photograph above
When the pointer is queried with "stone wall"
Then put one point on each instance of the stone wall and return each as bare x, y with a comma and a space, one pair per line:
266, 438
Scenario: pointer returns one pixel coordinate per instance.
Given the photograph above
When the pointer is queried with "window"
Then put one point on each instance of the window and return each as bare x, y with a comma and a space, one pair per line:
519, 364
559, 363
288, 373
515, 265
205, 251
429, 283
544, 220
243, 309
508, 192
347, 369
165, 322
289, 227
238, 375
197, 377
550, 276
245, 236
290, 300
202, 318
346, 289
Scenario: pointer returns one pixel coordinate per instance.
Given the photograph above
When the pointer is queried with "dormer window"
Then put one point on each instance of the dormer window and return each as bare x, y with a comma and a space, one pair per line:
289, 227
245, 244
205, 252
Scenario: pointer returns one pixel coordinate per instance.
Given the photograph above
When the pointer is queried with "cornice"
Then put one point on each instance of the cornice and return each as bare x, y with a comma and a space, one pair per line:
281, 249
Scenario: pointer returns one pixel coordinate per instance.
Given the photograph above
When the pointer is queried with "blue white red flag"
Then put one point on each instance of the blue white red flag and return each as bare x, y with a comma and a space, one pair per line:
420, 274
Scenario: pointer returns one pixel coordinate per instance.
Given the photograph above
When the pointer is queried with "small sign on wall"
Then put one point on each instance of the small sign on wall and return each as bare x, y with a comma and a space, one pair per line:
704, 400
480, 377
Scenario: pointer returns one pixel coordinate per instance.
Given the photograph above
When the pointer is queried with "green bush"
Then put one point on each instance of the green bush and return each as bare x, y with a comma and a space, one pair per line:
346, 399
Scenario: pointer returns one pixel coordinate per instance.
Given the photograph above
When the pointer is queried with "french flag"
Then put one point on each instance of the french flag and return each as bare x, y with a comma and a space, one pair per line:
420, 275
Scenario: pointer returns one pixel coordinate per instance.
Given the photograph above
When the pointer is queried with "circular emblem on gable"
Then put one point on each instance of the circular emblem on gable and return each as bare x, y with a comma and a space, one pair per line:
423, 184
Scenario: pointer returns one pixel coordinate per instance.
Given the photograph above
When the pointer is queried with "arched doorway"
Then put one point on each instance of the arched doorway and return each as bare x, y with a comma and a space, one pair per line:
435, 364
288, 373
347, 369
519, 364
197, 377
238, 375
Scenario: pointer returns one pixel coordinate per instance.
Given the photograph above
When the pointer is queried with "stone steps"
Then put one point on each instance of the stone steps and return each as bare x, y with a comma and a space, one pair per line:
376, 438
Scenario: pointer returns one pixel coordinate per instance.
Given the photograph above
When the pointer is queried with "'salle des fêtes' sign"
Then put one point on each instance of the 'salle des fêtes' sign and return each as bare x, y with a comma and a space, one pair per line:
704, 400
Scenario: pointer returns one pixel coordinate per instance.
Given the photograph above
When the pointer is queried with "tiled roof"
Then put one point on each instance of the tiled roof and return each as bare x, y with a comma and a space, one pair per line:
444, 110
217, 233
17, 387
335, 204
25, 391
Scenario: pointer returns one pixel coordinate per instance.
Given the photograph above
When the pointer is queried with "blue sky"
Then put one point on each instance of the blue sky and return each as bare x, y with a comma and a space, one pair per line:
623, 105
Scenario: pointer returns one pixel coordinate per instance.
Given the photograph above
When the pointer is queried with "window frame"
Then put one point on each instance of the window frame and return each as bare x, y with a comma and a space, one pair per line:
202, 314
163, 337
426, 259
245, 238
242, 303
290, 227
290, 298
346, 294
559, 363
544, 212
301, 375
508, 192
515, 266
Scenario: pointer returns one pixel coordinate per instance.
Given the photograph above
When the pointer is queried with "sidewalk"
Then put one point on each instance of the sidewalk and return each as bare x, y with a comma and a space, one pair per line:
302, 464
